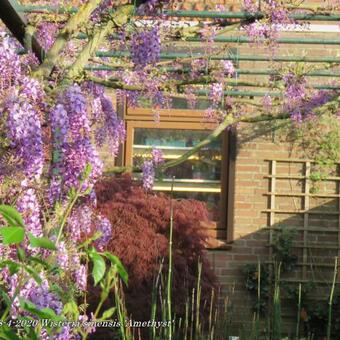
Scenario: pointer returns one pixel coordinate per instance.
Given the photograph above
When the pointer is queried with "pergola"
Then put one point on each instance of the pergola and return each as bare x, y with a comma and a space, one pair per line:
313, 45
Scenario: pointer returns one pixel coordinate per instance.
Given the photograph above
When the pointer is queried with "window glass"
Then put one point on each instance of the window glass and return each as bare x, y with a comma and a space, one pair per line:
196, 178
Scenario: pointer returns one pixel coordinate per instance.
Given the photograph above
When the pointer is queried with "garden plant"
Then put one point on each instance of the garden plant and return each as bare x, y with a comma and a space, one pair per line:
57, 215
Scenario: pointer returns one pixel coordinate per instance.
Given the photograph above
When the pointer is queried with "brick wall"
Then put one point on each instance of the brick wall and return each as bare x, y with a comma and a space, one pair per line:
250, 221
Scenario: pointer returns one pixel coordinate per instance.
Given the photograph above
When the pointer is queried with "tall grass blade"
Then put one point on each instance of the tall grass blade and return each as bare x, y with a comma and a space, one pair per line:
192, 314
198, 300
276, 329
330, 303
169, 282
186, 325
297, 336
154, 300
211, 312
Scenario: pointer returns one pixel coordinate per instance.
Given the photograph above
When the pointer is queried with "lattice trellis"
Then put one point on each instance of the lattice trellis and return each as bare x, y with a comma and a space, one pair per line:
317, 226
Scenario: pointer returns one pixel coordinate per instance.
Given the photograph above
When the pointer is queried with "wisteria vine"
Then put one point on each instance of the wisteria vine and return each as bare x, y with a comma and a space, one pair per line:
52, 129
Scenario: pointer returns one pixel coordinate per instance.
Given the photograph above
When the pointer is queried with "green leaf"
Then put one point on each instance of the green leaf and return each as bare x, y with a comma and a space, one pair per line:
12, 266
5, 297
99, 267
7, 334
72, 193
120, 267
87, 172
12, 235
12, 216
41, 242
44, 313
34, 274
108, 313
21, 254
71, 310
32, 335
40, 261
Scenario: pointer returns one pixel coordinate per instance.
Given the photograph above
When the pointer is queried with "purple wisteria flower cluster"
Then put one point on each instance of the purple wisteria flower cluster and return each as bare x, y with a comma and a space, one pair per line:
46, 34
149, 7
148, 168
21, 99
295, 93
227, 67
145, 47
111, 129
23, 107
266, 31
103, 225
298, 101
71, 140
198, 67
208, 35
80, 225
216, 94
29, 206
150, 87
38, 293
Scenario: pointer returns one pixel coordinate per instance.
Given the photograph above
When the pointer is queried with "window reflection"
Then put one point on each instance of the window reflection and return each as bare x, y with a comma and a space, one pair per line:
196, 178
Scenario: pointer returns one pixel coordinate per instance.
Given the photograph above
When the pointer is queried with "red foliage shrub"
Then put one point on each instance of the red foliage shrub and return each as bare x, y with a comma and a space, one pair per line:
140, 235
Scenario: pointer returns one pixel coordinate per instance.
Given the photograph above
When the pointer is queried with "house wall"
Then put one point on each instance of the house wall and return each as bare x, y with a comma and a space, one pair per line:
251, 234
251, 221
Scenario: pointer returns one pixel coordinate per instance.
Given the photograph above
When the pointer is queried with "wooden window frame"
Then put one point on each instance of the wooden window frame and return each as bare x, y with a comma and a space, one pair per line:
186, 119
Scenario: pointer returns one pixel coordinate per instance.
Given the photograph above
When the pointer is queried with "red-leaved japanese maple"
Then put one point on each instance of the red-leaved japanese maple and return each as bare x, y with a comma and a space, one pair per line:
140, 238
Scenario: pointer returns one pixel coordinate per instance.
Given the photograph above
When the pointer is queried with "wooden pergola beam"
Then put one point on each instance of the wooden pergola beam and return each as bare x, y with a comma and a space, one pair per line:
17, 23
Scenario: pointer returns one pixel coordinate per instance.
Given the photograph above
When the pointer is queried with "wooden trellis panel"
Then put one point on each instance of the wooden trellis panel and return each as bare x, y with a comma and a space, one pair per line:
319, 230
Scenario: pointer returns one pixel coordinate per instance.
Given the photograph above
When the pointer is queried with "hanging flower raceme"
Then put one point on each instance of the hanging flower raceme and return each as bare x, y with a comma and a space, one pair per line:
250, 6
145, 47
21, 102
198, 67
227, 67
39, 294
190, 97
216, 94
148, 175
111, 129
75, 104
46, 34
208, 35
79, 223
103, 225
295, 89
294, 95
148, 168
150, 6
267, 29
73, 150
25, 135
29, 206
10, 65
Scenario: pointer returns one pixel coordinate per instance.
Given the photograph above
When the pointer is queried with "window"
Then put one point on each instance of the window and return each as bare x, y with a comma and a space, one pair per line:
206, 176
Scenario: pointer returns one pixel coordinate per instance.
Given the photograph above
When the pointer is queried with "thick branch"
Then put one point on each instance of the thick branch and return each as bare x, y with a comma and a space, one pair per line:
74, 23
332, 105
119, 18
118, 85
228, 121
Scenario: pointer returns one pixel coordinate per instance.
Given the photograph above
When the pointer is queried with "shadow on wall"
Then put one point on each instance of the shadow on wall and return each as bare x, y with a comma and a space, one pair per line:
306, 243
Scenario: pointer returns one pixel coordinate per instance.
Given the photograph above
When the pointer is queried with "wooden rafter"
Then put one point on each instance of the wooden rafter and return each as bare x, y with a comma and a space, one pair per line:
17, 23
